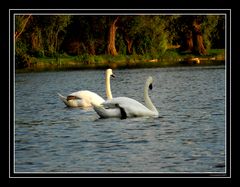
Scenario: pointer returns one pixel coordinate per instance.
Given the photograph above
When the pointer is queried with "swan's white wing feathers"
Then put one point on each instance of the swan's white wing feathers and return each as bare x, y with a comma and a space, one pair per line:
81, 99
86, 98
88, 95
107, 113
130, 106
122, 101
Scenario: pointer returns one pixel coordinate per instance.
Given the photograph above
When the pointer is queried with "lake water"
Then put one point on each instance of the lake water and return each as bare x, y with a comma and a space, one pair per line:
189, 136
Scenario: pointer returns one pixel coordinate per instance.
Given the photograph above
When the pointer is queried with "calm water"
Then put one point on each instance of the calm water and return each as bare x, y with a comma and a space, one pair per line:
189, 135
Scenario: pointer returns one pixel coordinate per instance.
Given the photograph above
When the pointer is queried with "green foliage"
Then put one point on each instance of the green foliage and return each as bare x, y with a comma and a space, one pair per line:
86, 36
209, 28
150, 36
121, 45
21, 56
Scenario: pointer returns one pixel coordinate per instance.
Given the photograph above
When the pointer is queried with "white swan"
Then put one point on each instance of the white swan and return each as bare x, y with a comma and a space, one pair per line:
84, 98
123, 107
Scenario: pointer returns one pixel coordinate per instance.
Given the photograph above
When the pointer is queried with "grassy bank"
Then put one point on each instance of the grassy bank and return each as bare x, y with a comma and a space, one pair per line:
170, 58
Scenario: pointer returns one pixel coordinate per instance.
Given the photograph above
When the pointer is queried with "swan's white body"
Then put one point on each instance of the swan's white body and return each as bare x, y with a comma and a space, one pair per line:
85, 98
123, 107
81, 99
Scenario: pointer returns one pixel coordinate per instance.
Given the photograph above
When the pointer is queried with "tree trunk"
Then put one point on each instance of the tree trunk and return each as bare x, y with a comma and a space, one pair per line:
129, 46
198, 40
23, 25
189, 43
111, 48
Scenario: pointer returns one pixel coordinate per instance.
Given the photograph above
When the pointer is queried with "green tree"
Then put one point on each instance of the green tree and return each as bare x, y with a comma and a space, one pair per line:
22, 59
21, 22
53, 31
196, 33
86, 35
149, 35
213, 30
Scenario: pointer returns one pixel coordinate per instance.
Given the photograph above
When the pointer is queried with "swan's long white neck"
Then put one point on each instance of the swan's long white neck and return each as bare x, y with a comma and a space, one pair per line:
108, 87
147, 99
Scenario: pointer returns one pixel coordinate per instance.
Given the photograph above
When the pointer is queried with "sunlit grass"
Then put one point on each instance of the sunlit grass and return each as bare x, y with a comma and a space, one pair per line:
170, 58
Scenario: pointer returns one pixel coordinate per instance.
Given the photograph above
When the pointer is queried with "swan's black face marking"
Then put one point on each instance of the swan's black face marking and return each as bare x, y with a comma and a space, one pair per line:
123, 112
113, 75
150, 86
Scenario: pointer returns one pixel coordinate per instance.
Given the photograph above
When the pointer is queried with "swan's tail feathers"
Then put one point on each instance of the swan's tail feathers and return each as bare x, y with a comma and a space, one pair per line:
63, 98
99, 109
103, 112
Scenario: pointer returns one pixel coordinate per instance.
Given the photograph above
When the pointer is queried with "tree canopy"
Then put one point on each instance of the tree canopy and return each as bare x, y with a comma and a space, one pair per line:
50, 35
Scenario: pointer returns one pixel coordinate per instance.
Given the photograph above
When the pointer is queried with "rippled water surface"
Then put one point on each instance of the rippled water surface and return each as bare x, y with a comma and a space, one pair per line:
189, 135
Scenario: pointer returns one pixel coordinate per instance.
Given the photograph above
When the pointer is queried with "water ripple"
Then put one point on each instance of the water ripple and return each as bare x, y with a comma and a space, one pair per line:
189, 135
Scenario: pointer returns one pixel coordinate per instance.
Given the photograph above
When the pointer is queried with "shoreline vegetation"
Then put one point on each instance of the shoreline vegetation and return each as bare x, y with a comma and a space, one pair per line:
79, 42
169, 59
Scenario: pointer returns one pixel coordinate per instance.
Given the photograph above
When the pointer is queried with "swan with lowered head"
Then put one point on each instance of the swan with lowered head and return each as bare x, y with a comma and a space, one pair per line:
84, 98
123, 107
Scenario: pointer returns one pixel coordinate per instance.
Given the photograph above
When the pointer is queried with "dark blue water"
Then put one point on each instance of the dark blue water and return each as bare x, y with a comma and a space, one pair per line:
189, 135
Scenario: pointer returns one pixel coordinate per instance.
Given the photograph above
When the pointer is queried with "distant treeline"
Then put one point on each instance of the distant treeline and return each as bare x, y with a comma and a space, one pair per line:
38, 36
